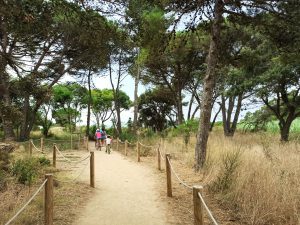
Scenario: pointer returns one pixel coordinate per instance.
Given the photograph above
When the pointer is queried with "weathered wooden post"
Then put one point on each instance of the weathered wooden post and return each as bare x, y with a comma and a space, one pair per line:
71, 141
169, 180
158, 159
198, 212
30, 147
118, 144
42, 144
79, 137
87, 143
126, 143
49, 200
92, 170
54, 156
138, 151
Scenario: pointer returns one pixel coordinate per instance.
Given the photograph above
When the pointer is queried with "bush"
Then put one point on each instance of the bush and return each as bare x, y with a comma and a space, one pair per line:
44, 161
28, 169
225, 179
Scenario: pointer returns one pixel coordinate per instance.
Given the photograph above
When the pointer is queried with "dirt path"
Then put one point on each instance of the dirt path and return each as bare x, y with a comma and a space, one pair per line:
125, 194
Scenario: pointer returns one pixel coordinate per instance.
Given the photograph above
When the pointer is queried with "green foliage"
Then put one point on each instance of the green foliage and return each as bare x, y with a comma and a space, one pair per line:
190, 126
257, 121
44, 161
154, 108
28, 169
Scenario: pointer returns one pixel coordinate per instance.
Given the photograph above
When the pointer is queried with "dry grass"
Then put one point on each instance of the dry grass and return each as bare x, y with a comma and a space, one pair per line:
67, 196
264, 187
252, 178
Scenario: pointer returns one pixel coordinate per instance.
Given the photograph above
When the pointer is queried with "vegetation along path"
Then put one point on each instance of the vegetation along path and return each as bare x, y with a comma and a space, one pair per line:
126, 193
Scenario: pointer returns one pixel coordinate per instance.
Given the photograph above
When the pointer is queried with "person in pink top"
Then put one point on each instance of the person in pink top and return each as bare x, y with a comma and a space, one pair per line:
98, 138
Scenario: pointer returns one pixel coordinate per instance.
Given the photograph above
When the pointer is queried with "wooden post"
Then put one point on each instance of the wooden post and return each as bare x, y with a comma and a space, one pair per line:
79, 141
92, 170
87, 143
49, 200
169, 180
42, 144
158, 159
71, 141
54, 155
138, 152
117, 144
198, 212
30, 147
126, 147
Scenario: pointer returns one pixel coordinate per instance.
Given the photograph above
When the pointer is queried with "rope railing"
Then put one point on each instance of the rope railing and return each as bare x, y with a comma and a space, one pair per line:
178, 178
38, 150
207, 209
146, 146
122, 142
71, 161
27, 203
76, 177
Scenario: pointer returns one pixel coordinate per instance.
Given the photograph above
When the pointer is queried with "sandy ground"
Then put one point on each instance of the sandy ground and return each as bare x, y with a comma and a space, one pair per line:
125, 194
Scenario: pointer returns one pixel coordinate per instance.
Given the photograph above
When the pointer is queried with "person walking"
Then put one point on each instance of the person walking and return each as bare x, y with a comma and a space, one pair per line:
103, 136
108, 144
98, 138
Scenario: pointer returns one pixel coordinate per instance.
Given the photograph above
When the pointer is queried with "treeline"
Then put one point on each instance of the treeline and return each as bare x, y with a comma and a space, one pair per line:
226, 55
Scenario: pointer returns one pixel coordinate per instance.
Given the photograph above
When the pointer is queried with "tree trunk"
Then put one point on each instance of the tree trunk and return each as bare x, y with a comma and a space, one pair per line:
87, 132
24, 124
285, 127
136, 87
214, 120
228, 126
209, 84
190, 107
7, 121
180, 118
118, 112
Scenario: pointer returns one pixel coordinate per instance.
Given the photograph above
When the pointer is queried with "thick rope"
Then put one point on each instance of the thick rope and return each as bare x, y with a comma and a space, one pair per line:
180, 181
122, 142
161, 156
27, 203
207, 209
146, 146
36, 148
71, 161
75, 178
131, 143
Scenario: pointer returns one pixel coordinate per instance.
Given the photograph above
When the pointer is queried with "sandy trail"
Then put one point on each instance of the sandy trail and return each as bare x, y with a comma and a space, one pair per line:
126, 193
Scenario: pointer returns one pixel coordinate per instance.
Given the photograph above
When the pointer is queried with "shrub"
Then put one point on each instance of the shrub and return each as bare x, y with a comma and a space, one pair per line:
225, 179
28, 169
44, 161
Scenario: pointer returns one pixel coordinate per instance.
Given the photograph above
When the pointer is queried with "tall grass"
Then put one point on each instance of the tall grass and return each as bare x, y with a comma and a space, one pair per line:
254, 175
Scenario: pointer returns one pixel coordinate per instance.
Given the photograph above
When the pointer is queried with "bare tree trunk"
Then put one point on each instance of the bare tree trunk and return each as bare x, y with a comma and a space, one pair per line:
136, 87
228, 126
7, 121
209, 84
190, 107
215, 118
180, 118
89, 105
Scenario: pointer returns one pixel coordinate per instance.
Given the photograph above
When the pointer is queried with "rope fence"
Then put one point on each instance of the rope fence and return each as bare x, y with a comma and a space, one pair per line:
207, 209
27, 203
48, 182
176, 175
